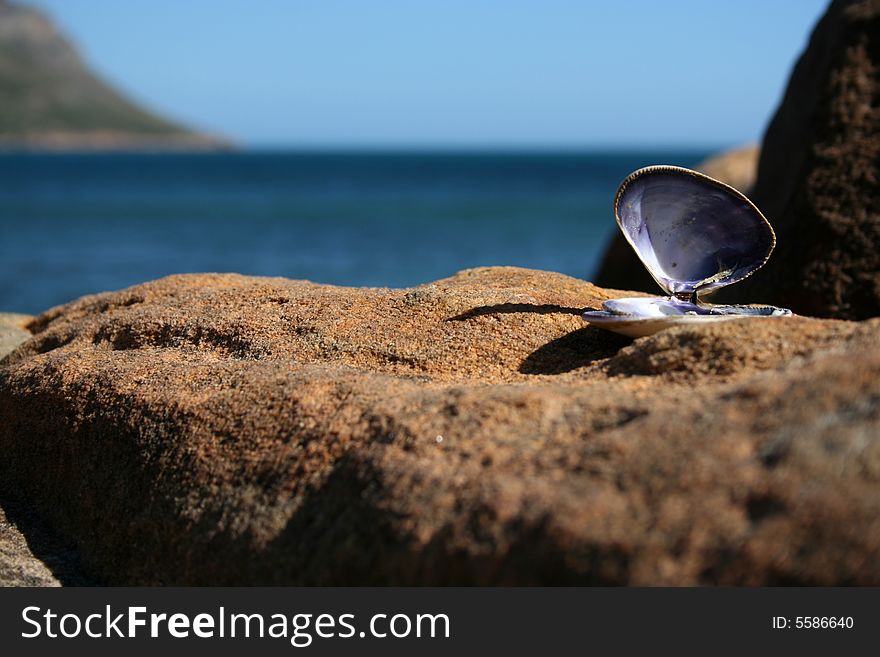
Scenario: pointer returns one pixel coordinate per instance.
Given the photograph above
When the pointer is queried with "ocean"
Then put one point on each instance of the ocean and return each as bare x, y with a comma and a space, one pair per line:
78, 224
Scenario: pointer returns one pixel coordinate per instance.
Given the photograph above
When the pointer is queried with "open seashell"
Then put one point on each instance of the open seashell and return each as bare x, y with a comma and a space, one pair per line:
694, 234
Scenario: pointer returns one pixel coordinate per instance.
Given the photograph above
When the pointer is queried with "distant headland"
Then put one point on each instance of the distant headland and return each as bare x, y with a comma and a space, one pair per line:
51, 101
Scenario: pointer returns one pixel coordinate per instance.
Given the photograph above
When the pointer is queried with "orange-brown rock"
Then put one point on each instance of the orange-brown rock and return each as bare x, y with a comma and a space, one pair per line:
218, 429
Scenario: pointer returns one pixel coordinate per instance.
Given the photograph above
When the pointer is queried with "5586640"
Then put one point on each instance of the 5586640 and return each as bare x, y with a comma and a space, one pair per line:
823, 622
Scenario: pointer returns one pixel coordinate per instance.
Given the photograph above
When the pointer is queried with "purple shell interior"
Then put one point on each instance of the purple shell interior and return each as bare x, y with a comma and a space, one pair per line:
693, 234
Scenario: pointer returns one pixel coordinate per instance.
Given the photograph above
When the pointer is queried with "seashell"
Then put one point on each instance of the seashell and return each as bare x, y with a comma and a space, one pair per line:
695, 235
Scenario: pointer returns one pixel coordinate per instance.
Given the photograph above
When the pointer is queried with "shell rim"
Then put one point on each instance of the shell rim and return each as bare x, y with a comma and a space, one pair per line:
702, 176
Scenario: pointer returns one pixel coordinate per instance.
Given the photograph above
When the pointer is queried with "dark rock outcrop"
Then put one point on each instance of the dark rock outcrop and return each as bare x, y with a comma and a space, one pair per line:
818, 179
222, 429
819, 173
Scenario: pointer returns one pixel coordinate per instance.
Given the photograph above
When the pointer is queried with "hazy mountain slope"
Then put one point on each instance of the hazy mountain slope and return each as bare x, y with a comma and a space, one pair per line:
49, 97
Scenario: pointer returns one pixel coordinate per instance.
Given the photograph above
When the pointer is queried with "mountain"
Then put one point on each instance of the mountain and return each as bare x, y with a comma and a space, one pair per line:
49, 99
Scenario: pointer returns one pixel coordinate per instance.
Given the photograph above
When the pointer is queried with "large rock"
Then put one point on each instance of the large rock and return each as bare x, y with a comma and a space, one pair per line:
221, 429
818, 179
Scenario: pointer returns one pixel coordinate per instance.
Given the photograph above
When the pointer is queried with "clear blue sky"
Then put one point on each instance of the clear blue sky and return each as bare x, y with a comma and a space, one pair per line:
470, 73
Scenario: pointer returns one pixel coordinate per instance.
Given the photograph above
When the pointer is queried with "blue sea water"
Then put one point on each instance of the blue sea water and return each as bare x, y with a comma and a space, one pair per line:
78, 224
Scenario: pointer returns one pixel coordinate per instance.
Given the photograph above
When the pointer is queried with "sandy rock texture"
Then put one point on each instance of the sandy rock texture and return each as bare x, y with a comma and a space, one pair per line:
818, 179
218, 429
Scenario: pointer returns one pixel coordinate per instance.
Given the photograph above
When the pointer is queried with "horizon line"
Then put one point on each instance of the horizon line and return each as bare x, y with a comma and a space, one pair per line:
392, 149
